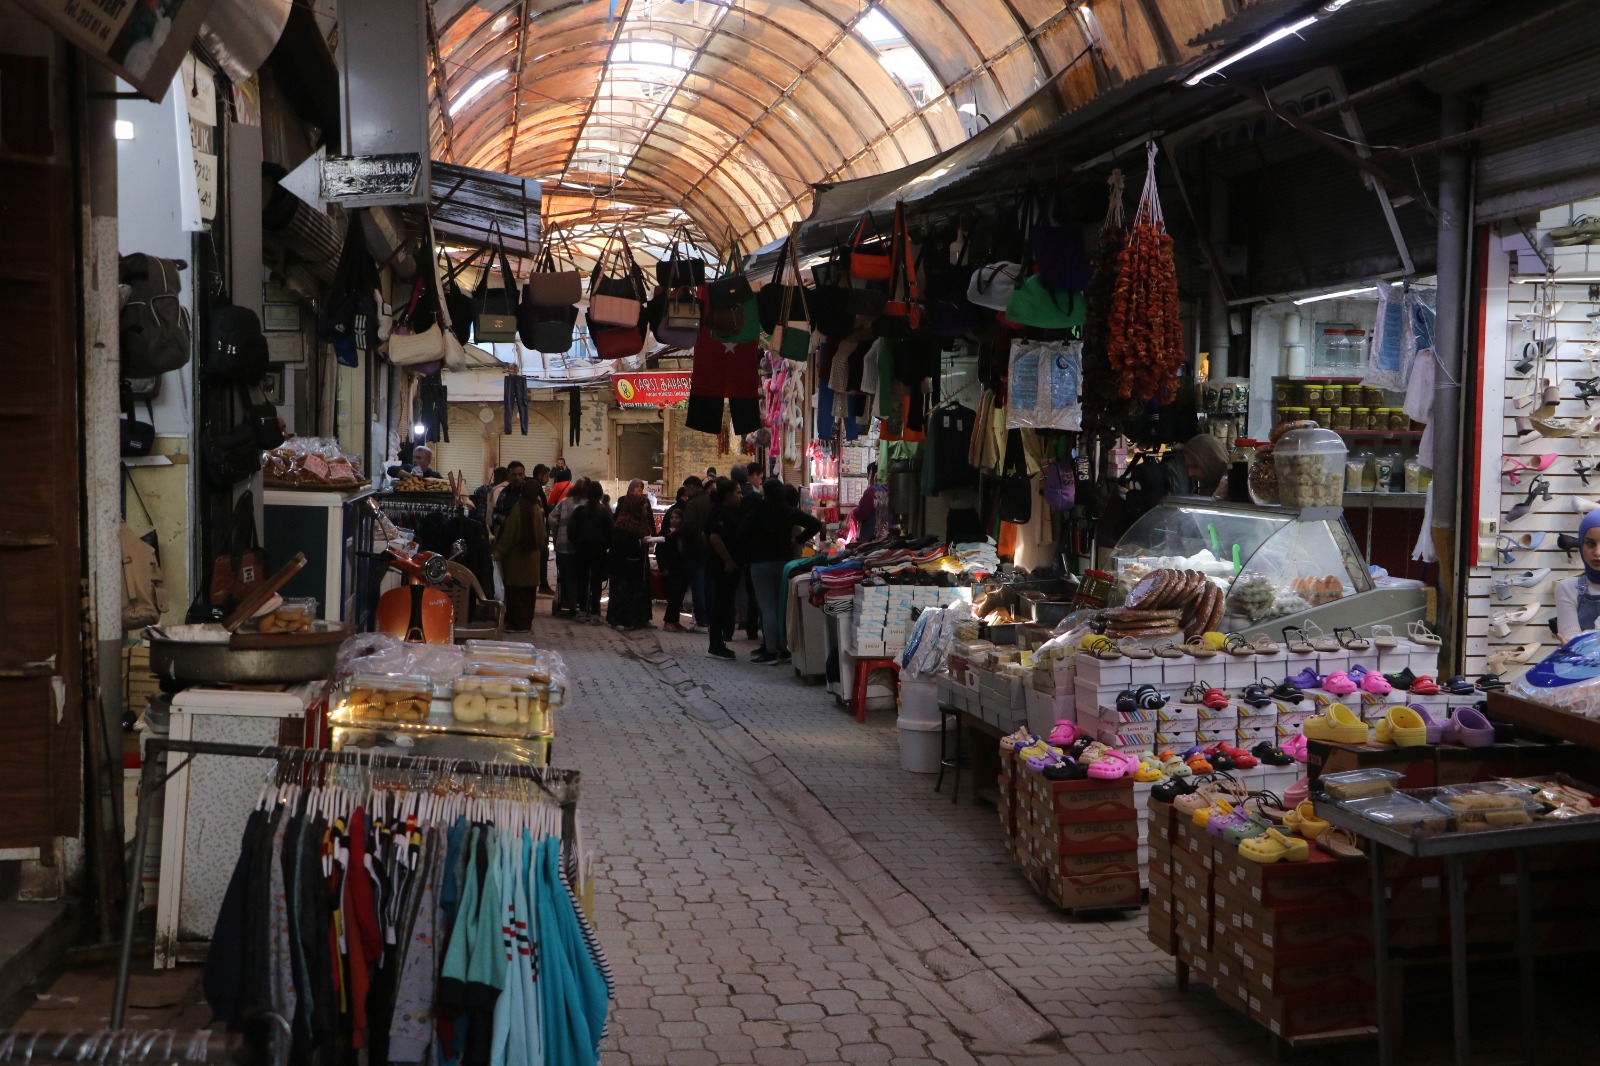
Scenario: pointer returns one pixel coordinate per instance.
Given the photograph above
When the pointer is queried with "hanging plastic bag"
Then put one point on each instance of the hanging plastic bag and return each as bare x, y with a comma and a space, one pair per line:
1045, 384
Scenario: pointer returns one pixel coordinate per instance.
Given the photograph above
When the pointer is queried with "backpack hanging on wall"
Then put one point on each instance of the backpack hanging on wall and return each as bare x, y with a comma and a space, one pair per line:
352, 322
236, 349
153, 325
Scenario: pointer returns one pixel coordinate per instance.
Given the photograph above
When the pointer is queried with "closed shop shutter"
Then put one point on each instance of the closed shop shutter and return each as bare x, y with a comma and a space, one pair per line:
1549, 157
465, 451
539, 446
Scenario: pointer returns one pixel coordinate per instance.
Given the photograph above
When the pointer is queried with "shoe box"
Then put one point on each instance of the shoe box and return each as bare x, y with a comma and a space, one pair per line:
1321, 879
1158, 869
1078, 841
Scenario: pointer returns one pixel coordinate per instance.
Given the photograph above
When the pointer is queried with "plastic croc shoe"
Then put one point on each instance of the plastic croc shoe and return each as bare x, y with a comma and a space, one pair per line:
1169, 790
1219, 806
1215, 698
1460, 685
1295, 747
1307, 678
1173, 766
1435, 729
1221, 823
1149, 770
1064, 733
1021, 738
1271, 754
1469, 728
1357, 672
1199, 764
1402, 680
1289, 692
1338, 683
1250, 825
1424, 686
1272, 846
1066, 770
1149, 698
1114, 766
1402, 727
1127, 701
1219, 761
1375, 684
1241, 758
1257, 694
1307, 824
1338, 724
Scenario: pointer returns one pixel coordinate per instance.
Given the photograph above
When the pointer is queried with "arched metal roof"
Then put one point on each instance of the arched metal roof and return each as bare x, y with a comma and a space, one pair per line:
723, 113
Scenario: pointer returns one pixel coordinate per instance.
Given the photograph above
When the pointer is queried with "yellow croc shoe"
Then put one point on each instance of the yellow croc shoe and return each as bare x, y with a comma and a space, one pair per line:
1337, 724
1405, 727
1218, 806
1272, 846
1149, 769
1309, 825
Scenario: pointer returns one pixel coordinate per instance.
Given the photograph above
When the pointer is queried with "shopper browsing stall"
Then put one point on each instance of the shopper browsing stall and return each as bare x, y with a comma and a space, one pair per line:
630, 601
559, 525
1205, 458
589, 533
723, 565
767, 541
517, 551
1578, 598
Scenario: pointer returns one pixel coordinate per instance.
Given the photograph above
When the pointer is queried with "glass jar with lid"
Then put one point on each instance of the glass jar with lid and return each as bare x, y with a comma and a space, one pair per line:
1310, 465
1355, 347
1333, 349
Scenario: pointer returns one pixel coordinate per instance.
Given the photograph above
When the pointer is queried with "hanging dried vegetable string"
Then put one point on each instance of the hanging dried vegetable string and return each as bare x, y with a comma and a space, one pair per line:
1145, 345
1104, 408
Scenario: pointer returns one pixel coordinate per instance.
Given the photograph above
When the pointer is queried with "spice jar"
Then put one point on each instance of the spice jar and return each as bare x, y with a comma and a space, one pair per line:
1322, 416
1372, 397
1360, 418
1341, 418
1282, 393
1311, 394
1398, 419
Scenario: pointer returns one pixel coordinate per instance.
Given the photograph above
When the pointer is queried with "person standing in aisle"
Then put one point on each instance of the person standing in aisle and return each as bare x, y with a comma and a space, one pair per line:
767, 541
517, 551
535, 484
568, 596
669, 561
721, 532
749, 495
590, 536
480, 495
693, 548
630, 595
502, 499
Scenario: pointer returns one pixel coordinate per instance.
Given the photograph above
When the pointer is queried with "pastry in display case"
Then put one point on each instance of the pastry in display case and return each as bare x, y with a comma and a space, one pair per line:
1273, 565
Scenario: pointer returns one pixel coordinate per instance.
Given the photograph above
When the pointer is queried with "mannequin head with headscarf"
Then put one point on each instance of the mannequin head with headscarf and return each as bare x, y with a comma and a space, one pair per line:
1589, 545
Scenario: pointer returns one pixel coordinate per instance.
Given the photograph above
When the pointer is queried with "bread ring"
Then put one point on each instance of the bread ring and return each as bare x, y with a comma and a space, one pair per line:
469, 706
1215, 618
1144, 590
502, 710
1163, 588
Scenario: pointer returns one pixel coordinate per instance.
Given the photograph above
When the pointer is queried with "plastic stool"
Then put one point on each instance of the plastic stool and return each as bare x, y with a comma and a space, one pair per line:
953, 761
858, 692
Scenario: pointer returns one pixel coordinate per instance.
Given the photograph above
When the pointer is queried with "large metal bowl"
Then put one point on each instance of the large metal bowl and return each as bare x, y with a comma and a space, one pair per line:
197, 662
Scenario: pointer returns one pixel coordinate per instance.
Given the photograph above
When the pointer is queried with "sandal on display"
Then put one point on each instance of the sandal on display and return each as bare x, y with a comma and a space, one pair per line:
1583, 505
1101, 648
1150, 698
1289, 692
1351, 640
1357, 672
1173, 766
1220, 761
1460, 685
1250, 824
1127, 701
1383, 637
1507, 545
1514, 466
1257, 695
1294, 638
1264, 644
1194, 694
1539, 487
1198, 649
1272, 846
1234, 644
1295, 747
1134, 648
1502, 659
1320, 641
1489, 683
1215, 698
1064, 733
1419, 633
1424, 686
1168, 649
1307, 678
1113, 766
1339, 842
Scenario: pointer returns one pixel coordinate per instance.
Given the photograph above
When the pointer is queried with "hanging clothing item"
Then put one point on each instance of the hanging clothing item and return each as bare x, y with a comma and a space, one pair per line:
574, 416
945, 454
514, 397
433, 408
724, 370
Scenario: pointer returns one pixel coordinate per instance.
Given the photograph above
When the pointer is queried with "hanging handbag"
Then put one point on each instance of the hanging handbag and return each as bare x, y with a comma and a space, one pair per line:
736, 325
496, 320
732, 289
1032, 304
1058, 249
144, 587
552, 336
242, 567
236, 349
410, 346
679, 321
772, 298
351, 319
902, 309
679, 271
138, 438
262, 417
532, 314
617, 342
870, 253
229, 456
457, 310
792, 338
616, 300
550, 285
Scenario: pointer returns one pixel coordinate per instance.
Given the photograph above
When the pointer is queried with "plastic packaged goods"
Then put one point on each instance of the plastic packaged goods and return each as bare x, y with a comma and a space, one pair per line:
1401, 811
1360, 784
380, 653
1310, 466
1476, 809
392, 698
503, 704
294, 615
500, 649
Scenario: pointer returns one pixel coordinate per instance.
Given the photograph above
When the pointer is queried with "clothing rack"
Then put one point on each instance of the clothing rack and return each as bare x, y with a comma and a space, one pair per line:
560, 785
416, 503
122, 1047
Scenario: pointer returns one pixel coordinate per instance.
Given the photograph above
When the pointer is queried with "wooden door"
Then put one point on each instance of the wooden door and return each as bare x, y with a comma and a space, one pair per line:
41, 588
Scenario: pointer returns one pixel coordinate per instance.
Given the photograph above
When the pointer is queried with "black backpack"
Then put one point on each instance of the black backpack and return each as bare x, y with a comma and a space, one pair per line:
154, 325
236, 349
350, 322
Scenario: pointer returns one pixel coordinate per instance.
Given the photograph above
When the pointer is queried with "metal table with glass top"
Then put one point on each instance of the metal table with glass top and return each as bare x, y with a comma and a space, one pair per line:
1453, 849
1279, 566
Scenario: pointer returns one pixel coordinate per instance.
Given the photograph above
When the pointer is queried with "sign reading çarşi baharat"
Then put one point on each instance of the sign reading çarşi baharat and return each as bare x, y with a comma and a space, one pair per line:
652, 389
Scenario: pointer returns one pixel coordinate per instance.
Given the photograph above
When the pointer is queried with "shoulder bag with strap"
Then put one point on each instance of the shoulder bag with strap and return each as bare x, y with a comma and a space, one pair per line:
902, 308
792, 338
242, 567
550, 285
543, 326
144, 587
870, 251
732, 289
616, 296
680, 270
496, 307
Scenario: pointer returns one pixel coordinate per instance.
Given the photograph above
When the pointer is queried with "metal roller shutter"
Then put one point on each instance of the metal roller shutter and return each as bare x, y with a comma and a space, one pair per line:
539, 446
466, 450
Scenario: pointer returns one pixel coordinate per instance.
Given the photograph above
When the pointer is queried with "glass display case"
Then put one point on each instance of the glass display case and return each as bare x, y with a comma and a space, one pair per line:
1272, 562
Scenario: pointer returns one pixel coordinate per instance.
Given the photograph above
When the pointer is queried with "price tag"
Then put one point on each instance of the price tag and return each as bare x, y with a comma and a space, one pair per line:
341, 470
316, 466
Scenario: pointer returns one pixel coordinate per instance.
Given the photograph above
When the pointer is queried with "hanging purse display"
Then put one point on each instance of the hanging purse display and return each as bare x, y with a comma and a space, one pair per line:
262, 417
1032, 304
456, 308
138, 438
679, 271
992, 285
410, 346
242, 568
773, 297
616, 300
870, 254
679, 324
1057, 248
617, 342
829, 301
230, 456
902, 309
551, 285
792, 338
732, 289
496, 320
553, 336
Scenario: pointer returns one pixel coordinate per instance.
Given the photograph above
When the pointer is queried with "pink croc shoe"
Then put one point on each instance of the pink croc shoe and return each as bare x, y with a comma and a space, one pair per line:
1374, 683
1064, 733
1338, 683
1115, 765
1295, 747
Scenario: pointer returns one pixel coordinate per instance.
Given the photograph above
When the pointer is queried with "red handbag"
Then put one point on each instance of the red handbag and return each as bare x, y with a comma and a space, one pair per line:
618, 342
904, 301
870, 257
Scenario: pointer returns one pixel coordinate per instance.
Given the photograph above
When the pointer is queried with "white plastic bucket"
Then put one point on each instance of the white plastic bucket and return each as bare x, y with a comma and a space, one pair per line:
919, 746
919, 701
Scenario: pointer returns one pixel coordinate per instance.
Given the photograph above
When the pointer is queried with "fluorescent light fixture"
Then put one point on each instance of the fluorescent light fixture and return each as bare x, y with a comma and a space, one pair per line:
1333, 5
1341, 294
1557, 279
1272, 38
470, 93
122, 129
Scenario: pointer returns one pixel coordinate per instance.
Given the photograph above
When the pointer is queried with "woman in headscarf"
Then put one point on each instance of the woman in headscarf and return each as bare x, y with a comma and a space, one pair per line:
1206, 458
630, 596
1578, 598
518, 551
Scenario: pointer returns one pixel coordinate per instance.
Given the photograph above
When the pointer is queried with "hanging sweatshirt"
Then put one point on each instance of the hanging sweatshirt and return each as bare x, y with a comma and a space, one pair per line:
412, 1027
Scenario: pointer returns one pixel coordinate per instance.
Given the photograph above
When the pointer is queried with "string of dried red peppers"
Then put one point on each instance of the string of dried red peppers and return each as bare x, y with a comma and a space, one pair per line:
1144, 345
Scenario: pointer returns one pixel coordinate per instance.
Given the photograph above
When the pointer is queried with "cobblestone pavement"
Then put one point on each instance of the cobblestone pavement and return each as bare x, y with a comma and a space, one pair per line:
773, 888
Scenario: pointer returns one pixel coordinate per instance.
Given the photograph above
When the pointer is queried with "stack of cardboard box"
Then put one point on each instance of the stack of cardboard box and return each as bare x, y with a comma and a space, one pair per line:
1077, 842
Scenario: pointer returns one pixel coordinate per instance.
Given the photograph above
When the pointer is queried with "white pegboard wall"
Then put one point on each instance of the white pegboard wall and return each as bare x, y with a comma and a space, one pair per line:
1504, 339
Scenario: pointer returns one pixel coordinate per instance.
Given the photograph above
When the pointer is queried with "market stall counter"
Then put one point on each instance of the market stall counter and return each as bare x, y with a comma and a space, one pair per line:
1276, 567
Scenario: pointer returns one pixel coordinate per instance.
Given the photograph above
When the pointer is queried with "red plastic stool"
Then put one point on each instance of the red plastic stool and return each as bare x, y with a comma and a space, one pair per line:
858, 692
